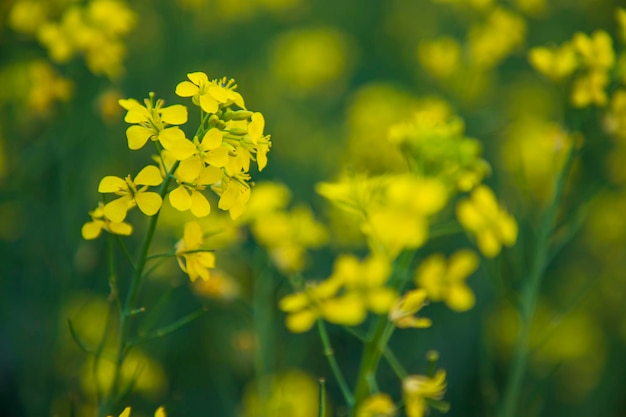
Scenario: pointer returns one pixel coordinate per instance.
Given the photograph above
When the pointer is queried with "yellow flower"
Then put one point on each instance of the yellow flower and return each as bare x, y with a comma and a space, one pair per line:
130, 195
194, 155
377, 405
262, 142
416, 389
210, 95
554, 63
304, 308
191, 258
440, 57
188, 195
589, 89
364, 284
403, 313
446, 281
151, 122
596, 51
492, 226
91, 230
234, 193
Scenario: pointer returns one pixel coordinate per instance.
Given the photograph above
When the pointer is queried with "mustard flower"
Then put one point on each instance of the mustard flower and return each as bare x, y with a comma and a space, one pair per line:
446, 281
255, 132
234, 193
492, 226
416, 389
194, 155
131, 195
188, 195
364, 283
554, 63
91, 230
403, 312
192, 259
304, 308
596, 51
151, 121
377, 405
209, 95
589, 89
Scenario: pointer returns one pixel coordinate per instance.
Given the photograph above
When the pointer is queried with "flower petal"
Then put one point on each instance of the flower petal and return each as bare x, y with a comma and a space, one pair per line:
212, 139
171, 136
137, 114
208, 103
149, 203
186, 89
200, 206
116, 210
149, 175
198, 78
111, 184
137, 136
174, 115
92, 230
179, 198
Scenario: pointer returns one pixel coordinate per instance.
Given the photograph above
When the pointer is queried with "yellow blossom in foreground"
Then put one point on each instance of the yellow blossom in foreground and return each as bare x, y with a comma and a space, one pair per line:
209, 95
403, 313
188, 195
91, 230
416, 389
377, 405
492, 226
445, 281
191, 257
151, 122
554, 63
131, 195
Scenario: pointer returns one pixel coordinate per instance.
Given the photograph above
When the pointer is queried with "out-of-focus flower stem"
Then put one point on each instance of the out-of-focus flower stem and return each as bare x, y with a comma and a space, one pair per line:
530, 291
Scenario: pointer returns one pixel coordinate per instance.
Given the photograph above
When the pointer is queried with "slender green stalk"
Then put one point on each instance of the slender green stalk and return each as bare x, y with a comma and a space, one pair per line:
529, 295
322, 398
330, 355
129, 305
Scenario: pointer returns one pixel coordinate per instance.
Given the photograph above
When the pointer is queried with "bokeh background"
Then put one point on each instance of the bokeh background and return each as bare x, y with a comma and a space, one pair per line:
330, 77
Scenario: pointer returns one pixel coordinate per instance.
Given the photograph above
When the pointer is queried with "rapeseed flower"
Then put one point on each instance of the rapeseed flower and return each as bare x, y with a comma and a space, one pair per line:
234, 193
305, 307
210, 95
403, 312
151, 122
192, 258
492, 226
91, 230
131, 195
445, 281
188, 195
417, 389
554, 63
194, 156
377, 405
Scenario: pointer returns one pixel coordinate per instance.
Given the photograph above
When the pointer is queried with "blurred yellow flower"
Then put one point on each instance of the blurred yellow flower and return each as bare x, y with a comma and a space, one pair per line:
492, 226
440, 57
554, 63
377, 405
192, 258
492, 41
445, 281
160, 412
304, 308
403, 312
417, 389
27, 16
131, 195
596, 51
589, 89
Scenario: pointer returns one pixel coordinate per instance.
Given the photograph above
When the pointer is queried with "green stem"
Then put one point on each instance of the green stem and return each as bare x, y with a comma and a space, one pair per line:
129, 305
334, 366
530, 294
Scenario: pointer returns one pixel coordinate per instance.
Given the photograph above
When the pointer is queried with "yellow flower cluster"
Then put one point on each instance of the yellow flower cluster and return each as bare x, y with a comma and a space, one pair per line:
354, 288
591, 57
95, 30
285, 234
219, 156
435, 141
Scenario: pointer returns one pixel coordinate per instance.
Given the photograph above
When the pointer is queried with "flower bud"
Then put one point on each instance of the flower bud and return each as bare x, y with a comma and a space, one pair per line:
241, 115
238, 131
